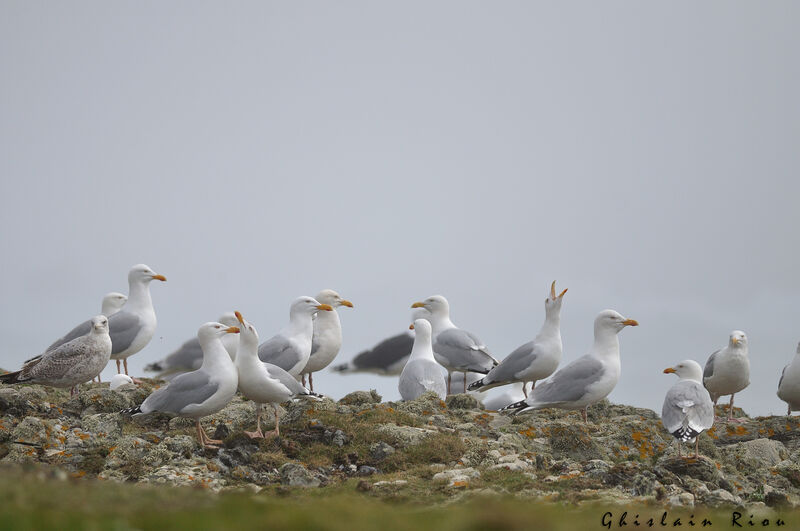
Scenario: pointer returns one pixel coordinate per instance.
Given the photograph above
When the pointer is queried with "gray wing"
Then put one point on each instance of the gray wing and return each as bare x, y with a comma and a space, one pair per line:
708, 371
188, 357
123, 327
570, 383
289, 381
783, 373
386, 353
314, 344
517, 361
687, 405
184, 390
462, 350
80, 330
277, 350
418, 377
59, 361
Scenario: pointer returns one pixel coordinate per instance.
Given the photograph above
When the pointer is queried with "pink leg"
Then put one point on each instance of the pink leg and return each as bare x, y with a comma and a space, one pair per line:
465, 383
303, 379
584, 411
449, 378
258, 433
119, 369
311, 381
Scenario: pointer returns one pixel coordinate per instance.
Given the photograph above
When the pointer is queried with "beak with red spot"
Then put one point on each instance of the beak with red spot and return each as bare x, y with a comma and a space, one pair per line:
346, 303
669, 370
239, 317
324, 307
162, 278
232, 330
553, 295
630, 322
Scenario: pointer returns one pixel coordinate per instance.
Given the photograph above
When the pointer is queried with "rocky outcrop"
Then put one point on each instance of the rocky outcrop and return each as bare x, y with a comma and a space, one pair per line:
622, 453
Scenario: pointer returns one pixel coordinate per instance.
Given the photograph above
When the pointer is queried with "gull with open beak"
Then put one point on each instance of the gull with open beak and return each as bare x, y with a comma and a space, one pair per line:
727, 370
535, 360
133, 326
327, 338
290, 348
263, 383
588, 379
455, 349
688, 410
202, 392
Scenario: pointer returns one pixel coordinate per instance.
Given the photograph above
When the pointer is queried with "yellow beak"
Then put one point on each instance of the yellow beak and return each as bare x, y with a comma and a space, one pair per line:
347, 303
162, 278
669, 370
239, 317
325, 307
232, 330
418, 305
735, 340
630, 322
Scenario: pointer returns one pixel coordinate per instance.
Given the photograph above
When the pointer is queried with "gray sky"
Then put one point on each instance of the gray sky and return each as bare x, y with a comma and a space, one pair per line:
643, 155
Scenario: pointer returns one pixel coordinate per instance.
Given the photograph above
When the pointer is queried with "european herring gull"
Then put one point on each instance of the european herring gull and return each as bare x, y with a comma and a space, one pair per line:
688, 410
327, 338
789, 384
132, 327
202, 392
455, 349
586, 380
388, 357
263, 383
535, 360
422, 373
112, 303
189, 356
290, 348
727, 370
76, 361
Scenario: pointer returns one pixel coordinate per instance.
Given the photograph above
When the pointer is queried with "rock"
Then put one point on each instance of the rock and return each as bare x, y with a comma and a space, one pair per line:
720, 498
758, 453
365, 470
459, 477
681, 500
574, 441
776, 498
296, 475
428, 403
103, 425
597, 469
644, 483
12, 402
182, 445
380, 451
702, 468
359, 398
512, 465
404, 435
462, 401
339, 439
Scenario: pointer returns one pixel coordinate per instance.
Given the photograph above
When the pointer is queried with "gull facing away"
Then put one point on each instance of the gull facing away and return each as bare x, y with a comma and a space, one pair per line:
327, 338
112, 303
588, 379
455, 349
727, 370
422, 373
202, 392
789, 384
133, 326
388, 357
688, 410
70, 364
290, 348
535, 360
263, 383
189, 356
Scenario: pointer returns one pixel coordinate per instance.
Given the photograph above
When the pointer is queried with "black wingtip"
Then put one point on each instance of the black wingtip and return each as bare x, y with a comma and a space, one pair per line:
685, 434
153, 367
10, 377
341, 368
475, 385
515, 407
132, 411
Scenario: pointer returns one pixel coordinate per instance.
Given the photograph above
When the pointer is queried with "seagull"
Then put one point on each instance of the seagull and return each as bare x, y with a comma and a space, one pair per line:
688, 410
728, 370
789, 384
76, 361
535, 360
118, 380
189, 356
133, 326
290, 348
455, 349
202, 392
586, 380
263, 383
388, 357
327, 338
112, 302
422, 373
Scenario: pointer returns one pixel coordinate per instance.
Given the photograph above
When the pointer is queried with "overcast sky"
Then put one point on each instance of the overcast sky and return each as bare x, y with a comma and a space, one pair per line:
645, 156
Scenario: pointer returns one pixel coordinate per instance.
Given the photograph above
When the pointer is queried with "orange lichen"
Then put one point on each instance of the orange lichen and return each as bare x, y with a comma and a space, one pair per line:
530, 433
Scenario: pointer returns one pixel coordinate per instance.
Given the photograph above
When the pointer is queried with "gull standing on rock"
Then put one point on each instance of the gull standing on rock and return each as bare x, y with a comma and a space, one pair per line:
290, 348
327, 338
789, 384
388, 357
535, 360
588, 379
688, 410
422, 373
133, 326
263, 383
202, 392
70, 364
728, 370
189, 356
455, 349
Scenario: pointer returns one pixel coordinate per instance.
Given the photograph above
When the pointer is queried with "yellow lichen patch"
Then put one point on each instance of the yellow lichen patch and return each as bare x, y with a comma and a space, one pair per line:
79, 474
111, 449
712, 432
530, 433
738, 430
624, 448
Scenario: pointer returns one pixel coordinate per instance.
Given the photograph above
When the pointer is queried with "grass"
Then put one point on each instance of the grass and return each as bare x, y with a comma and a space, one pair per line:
34, 500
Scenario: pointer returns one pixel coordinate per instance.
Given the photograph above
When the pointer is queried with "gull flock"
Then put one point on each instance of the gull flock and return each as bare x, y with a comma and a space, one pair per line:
434, 354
